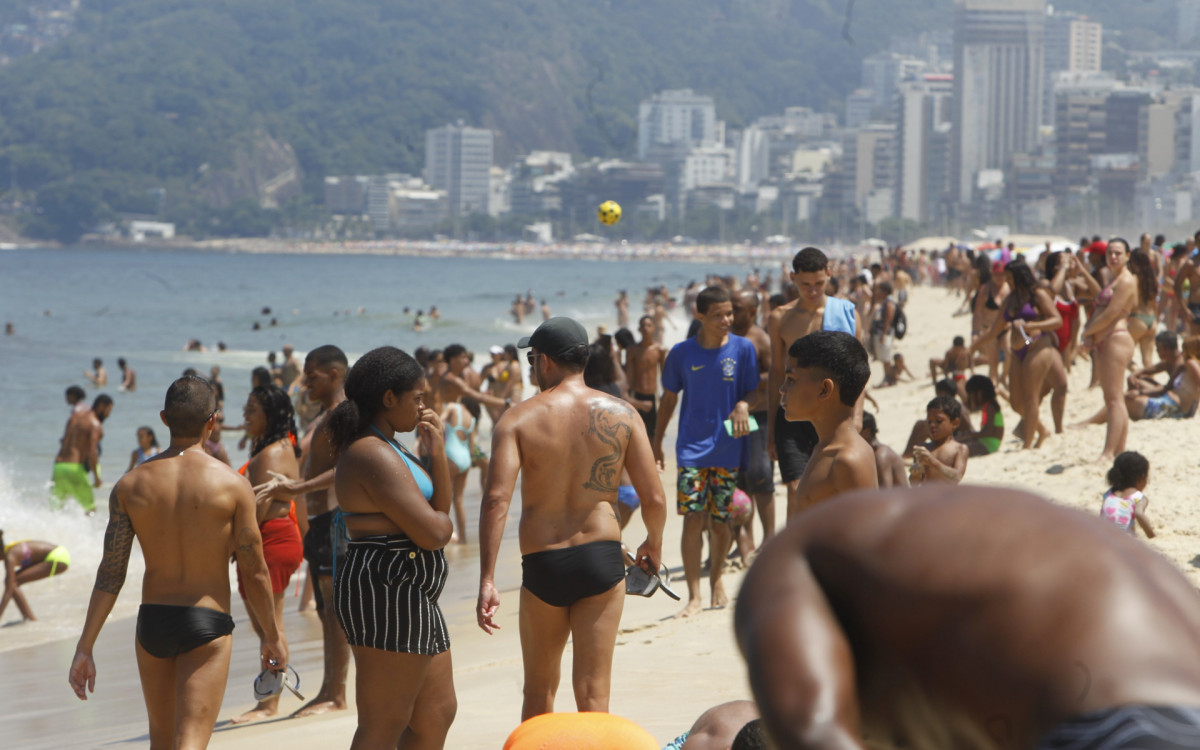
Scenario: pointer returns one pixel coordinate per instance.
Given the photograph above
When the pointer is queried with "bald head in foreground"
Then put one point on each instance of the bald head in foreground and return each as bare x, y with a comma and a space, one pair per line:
968, 617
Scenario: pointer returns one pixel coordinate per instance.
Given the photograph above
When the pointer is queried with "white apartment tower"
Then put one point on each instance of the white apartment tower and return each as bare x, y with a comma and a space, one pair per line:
458, 159
676, 117
998, 82
922, 119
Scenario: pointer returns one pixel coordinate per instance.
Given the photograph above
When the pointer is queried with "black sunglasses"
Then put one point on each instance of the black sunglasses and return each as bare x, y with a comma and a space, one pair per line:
530, 357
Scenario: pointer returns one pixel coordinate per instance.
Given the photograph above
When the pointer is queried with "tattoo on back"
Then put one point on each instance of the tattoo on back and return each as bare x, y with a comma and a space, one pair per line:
118, 543
608, 421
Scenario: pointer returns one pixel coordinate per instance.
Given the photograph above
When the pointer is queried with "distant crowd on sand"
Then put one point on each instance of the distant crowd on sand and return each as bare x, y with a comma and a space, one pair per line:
936, 616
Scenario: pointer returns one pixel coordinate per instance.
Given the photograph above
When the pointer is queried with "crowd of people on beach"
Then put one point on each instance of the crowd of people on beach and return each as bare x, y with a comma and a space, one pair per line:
855, 605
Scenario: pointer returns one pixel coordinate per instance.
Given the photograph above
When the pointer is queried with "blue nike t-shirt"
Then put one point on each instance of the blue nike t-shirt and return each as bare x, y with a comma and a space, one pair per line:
712, 382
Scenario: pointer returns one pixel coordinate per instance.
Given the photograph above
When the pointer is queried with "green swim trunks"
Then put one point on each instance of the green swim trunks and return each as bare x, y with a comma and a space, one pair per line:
705, 490
71, 480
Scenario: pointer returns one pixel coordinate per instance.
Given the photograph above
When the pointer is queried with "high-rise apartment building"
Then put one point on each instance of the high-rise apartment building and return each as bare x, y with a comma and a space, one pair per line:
458, 159
922, 122
675, 117
998, 81
1073, 43
1188, 22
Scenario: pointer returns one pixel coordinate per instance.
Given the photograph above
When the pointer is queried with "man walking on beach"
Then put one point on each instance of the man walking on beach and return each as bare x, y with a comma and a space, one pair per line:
792, 443
80, 453
572, 560
718, 375
187, 511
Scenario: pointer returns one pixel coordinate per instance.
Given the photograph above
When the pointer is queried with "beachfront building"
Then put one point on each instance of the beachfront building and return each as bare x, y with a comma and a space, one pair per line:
998, 82
458, 159
677, 117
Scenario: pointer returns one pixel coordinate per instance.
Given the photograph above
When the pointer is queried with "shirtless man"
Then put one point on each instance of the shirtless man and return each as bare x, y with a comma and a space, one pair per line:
622, 305
453, 385
188, 511
825, 376
98, 375
570, 541
324, 378
128, 376
952, 644
889, 467
643, 367
80, 453
792, 443
757, 474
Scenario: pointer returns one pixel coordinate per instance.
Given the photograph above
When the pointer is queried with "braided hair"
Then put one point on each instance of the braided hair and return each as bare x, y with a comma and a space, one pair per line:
374, 374
281, 417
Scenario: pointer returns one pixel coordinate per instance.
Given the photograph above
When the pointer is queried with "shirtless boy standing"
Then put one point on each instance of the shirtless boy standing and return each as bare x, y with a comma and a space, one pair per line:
792, 443
826, 373
572, 563
188, 511
942, 459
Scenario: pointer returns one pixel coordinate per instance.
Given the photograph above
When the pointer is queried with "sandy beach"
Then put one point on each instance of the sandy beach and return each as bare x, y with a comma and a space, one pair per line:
666, 672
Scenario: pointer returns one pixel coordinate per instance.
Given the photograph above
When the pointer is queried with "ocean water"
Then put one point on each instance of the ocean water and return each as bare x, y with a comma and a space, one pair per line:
71, 305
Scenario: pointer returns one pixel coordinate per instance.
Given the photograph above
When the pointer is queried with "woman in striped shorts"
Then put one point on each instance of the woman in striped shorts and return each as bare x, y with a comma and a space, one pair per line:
386, 589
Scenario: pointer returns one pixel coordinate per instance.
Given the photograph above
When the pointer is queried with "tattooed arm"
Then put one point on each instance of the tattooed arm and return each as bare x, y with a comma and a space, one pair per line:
118, 543
247, 548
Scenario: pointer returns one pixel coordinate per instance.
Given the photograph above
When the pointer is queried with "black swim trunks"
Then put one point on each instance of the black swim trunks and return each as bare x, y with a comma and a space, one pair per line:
561, 577
1128, 728
319, 545
794, 445
757, 473
166, 630
649, 418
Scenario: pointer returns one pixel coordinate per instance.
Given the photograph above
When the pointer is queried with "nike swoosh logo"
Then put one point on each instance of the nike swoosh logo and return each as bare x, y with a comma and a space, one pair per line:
697, 367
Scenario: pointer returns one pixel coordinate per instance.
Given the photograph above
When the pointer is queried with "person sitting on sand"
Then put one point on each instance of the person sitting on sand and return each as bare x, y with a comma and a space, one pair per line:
889, 467
920, 429
942, 459
954, 364
27, 561
894, 369
903, 616
1125, 501
1170, 361
1175, 400
981, 396
826, 373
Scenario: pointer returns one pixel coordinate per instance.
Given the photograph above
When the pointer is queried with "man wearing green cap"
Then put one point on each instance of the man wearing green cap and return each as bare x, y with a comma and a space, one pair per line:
570, 444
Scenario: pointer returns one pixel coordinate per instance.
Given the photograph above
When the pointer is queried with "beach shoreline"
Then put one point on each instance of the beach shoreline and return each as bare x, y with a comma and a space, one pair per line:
666, 672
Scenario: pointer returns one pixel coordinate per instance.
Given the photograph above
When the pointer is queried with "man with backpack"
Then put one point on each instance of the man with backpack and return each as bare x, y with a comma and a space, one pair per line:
887, 323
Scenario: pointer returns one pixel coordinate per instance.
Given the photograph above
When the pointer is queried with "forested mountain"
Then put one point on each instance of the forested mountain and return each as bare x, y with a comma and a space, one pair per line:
178, 107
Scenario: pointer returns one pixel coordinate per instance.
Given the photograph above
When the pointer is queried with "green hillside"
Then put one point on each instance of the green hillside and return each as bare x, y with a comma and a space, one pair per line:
184, 95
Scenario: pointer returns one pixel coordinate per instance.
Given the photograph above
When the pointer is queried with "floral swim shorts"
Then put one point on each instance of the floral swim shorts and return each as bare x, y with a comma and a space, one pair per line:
706, 489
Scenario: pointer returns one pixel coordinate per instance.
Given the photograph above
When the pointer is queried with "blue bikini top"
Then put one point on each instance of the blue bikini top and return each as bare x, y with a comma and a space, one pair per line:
424, 484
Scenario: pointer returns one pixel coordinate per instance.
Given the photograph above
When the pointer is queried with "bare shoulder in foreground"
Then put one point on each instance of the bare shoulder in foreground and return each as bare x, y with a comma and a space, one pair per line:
968, 617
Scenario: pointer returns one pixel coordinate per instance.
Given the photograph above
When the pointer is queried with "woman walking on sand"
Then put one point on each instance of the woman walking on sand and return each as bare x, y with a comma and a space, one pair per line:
1031, 318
